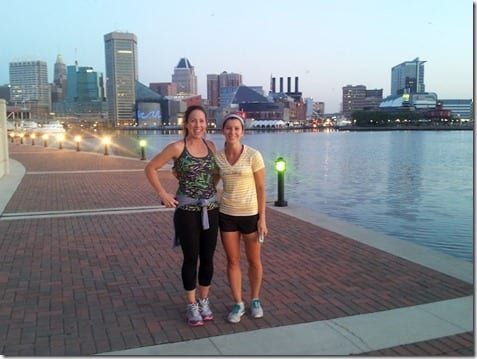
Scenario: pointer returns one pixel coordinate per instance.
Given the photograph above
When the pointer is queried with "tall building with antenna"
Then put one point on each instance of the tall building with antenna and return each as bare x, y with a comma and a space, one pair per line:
121, 76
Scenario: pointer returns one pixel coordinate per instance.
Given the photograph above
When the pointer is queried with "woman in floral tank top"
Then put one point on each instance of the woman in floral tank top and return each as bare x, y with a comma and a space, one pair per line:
197, 211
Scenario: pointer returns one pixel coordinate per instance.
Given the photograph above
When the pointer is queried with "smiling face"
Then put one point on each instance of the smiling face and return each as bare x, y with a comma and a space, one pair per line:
233, 130
196, 124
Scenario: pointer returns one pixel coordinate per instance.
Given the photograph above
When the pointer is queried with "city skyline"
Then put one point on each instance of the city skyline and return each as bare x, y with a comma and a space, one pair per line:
327, 44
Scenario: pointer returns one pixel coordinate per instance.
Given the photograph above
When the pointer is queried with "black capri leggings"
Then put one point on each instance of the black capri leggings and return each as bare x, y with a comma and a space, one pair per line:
197, 245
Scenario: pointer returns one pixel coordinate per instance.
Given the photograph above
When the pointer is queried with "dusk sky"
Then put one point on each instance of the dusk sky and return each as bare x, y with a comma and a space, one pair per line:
327, 44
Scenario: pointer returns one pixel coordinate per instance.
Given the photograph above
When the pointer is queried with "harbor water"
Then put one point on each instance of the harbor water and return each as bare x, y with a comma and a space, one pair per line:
412, 185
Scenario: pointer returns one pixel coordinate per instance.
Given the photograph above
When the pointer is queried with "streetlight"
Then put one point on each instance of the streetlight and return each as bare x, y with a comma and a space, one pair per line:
45, 140
106, 141
77, 140
32, 136
280, 167
60, 138
143, 144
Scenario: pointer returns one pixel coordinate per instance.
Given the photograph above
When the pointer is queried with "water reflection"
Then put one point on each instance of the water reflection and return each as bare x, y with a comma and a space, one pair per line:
404, 175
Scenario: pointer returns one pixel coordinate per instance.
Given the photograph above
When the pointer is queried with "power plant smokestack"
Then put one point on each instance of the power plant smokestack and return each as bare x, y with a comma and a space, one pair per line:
273, 84
281, 84
288, 84
296, 84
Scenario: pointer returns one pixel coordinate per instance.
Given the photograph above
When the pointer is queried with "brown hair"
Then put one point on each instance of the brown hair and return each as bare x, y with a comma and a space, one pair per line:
187, 115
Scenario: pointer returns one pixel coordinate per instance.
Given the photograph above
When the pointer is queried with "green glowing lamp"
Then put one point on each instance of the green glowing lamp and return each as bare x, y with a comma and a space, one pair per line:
280, 165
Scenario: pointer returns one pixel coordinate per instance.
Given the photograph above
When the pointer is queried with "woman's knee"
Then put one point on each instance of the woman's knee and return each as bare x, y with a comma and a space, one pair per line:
233, 262
254, 264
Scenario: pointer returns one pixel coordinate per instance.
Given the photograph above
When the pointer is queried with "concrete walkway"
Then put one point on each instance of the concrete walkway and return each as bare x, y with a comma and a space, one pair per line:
341, 336
86, 268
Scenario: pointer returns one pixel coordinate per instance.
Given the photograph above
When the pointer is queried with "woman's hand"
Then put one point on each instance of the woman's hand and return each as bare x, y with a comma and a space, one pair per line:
262, 227
169, 200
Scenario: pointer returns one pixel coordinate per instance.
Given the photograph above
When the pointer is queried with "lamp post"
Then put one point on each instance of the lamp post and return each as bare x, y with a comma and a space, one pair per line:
106, 141
45, 140
280, 167
77, 140
142, 144
12, 135
33, 136
60, 139
21, 137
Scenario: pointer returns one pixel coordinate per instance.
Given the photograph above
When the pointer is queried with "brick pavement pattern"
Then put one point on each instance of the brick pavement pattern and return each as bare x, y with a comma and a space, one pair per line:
88, 284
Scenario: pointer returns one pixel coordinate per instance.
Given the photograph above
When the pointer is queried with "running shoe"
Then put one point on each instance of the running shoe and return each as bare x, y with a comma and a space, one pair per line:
193, 316
237, 311
204, 308
256, 309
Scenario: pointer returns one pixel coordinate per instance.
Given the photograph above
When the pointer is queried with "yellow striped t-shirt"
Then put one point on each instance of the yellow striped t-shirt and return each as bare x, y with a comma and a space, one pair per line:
239, 196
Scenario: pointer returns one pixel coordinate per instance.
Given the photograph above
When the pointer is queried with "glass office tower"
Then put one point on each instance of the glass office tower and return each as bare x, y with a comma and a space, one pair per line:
408, 77
121, 75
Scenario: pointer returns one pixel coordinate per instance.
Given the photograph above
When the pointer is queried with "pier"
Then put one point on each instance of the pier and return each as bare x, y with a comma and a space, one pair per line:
87, 267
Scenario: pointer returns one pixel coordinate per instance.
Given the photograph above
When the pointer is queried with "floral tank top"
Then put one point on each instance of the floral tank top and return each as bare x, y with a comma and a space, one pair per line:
195, 175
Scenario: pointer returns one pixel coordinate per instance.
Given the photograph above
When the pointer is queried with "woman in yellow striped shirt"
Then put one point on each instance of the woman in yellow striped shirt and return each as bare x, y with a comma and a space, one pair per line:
242, 213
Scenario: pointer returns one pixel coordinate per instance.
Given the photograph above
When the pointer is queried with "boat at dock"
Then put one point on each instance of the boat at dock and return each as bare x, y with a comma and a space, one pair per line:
26, 126
52, 127
29, 127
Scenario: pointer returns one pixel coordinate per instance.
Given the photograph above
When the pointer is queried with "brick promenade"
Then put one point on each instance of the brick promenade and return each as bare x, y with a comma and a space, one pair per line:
86, 267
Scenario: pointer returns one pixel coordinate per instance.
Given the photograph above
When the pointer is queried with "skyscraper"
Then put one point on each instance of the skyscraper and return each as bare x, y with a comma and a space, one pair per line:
29, 86
185, 78
84, 92
84, 84
408, 77
121, 75
58, 89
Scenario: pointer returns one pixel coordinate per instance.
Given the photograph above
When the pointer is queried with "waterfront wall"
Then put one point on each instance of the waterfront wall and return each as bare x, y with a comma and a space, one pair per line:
4, 164
408, 128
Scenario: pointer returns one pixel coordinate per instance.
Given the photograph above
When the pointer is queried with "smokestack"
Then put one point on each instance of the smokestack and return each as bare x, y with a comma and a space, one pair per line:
281, 84
296, 84
273, 84
288, 84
